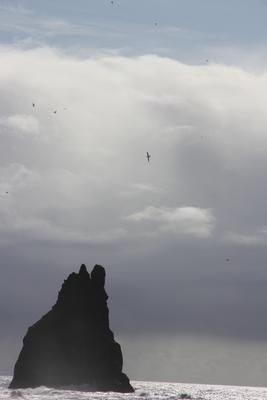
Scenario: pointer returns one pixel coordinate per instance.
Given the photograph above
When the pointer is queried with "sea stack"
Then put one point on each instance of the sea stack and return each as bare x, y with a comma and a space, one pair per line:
72, 344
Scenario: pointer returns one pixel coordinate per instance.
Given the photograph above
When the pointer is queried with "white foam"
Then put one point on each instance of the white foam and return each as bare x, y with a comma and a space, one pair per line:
144, 391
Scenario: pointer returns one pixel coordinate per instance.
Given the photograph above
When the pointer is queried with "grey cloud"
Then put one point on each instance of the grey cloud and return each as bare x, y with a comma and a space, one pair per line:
254, 239
135, 189
72, 185
20, 124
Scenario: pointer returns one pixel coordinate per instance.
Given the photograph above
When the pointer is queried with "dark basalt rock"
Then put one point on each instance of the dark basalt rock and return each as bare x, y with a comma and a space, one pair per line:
72, 344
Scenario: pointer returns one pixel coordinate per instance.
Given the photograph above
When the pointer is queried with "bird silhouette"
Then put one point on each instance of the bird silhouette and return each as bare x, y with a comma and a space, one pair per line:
55, 111
148, 156
33, 104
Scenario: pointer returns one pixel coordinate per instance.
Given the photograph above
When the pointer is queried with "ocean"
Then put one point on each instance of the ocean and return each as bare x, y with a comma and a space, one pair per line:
144, 391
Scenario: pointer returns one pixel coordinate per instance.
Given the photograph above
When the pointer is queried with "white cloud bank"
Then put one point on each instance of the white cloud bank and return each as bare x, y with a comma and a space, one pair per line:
205, 127
187, 220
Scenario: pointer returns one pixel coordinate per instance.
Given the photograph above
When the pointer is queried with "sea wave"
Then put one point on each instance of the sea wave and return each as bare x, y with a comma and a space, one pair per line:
143, 391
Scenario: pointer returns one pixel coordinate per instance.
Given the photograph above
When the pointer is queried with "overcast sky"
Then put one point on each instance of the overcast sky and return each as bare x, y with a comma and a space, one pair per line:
183, 238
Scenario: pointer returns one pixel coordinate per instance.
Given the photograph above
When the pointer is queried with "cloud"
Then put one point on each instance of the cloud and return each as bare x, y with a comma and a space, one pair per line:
15, 178
184, 220
243, 239
81, 190
87, 161
28, 28
15, 10
258, 237
24, 216
136, 189
21, 124
25, 230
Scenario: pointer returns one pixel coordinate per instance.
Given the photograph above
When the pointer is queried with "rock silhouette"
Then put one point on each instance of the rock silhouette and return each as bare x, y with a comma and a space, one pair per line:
72, 344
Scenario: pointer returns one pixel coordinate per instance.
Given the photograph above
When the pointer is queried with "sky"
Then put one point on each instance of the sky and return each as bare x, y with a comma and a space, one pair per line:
183, 238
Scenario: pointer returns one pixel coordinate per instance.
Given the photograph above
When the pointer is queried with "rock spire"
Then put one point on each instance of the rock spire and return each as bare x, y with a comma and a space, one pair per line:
72, 344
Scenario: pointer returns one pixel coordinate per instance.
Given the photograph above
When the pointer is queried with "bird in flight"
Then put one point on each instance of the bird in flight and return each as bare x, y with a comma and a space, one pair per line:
148, 156
33, 104
55, 111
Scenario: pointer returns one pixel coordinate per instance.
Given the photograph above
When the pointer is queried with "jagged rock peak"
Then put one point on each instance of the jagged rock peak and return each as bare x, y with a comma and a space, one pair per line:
83, 271
98, 275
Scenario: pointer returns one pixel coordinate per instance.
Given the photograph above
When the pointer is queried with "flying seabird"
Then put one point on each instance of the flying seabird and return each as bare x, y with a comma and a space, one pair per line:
148, 156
